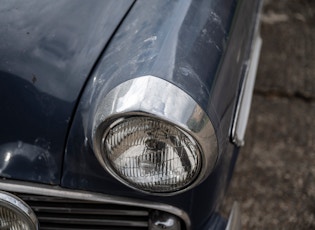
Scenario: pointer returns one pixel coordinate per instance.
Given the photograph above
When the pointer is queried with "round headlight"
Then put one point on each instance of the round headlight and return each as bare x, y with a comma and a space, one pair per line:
152, 136
15, 214
151, 154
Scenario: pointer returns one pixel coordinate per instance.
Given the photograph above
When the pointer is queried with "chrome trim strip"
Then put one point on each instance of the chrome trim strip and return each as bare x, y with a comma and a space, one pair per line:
155, 97
243, 107
55, 191
246, 94
234, 222
10, 200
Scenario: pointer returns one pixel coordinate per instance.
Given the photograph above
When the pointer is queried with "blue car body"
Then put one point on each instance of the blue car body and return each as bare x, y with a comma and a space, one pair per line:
56, 57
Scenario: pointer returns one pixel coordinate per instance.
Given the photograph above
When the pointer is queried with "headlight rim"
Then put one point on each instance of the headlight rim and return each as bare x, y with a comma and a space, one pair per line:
16, 205
142, 95
101, 154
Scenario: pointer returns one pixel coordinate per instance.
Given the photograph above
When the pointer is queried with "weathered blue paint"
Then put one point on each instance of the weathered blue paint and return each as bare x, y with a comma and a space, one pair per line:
187, 43
47, 50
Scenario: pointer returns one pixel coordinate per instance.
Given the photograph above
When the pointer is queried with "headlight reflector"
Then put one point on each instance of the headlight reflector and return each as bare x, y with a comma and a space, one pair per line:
151, 154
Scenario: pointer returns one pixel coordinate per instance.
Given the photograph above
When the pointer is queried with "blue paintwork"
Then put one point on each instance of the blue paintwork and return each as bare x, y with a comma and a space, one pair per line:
47, 50
183, 42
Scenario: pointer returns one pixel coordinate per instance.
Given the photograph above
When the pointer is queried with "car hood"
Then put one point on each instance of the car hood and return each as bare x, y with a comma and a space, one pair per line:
47, 51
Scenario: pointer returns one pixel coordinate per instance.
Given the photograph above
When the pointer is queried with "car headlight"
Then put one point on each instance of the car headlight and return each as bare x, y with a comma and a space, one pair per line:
151, 154
15, 214
152, 141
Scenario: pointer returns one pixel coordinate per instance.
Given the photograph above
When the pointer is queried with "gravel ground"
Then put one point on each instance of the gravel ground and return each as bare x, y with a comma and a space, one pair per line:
274, 179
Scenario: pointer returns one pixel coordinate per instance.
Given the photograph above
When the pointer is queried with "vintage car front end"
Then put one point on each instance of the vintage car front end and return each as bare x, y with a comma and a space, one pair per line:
123, 114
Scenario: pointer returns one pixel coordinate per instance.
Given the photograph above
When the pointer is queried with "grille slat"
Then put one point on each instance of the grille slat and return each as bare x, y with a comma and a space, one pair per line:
66, 210
60, 220
80, 227
70, 214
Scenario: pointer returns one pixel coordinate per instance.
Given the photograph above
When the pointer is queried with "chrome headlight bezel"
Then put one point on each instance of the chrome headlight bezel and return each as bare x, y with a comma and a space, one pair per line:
109, 164
156, 98
18, 208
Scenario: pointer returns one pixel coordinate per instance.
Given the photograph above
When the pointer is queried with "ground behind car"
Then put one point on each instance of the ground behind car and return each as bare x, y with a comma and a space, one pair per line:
274, 179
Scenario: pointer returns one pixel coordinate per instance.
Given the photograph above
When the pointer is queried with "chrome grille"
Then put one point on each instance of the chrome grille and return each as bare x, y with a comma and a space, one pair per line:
62, 213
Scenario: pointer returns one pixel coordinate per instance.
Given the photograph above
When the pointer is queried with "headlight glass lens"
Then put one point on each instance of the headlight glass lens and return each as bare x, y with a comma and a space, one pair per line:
15, 214
151, 154
10, 220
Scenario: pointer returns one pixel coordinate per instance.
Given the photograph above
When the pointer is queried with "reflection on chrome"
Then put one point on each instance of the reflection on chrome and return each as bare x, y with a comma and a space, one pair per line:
15, 213
55, 191
149, 96
151, 155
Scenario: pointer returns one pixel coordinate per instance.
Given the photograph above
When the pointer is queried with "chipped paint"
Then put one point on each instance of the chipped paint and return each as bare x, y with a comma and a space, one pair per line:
150, 39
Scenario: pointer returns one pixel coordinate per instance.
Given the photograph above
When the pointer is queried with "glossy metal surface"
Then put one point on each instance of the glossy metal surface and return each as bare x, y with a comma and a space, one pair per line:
245, 98
48, 49
17, 204
164, 221
37, 189
234, 222
142, 96
247, 84
55, 213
